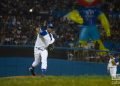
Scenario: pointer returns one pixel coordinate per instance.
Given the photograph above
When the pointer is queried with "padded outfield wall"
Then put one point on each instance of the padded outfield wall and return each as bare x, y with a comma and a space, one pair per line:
15, 61
18, 66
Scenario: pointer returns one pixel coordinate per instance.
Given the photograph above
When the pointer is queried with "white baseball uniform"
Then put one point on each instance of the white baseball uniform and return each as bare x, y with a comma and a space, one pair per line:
112, 68
40, 49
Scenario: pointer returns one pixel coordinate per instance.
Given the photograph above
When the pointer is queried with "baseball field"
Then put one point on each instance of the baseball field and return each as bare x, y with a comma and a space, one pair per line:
56, 81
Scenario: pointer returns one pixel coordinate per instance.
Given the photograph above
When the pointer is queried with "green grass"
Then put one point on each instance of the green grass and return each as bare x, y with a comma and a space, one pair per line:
56, 81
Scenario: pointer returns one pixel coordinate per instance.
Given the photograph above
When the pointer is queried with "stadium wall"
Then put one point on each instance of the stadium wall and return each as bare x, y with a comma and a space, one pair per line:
18, 66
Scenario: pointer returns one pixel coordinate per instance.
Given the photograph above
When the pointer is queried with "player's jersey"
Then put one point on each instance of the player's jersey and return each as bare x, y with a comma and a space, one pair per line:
44, 39
89, 15
110, 64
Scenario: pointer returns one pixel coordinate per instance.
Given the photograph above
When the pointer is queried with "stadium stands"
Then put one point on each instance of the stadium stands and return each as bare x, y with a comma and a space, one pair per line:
17, 23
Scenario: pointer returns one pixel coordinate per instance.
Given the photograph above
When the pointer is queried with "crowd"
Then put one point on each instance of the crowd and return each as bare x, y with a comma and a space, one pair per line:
18, 23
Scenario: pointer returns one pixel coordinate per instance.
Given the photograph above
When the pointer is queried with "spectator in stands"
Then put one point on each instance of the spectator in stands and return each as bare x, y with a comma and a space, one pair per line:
17, 24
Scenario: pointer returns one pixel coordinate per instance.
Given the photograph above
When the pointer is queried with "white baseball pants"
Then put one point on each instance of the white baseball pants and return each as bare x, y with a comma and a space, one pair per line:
113, 71
40, 55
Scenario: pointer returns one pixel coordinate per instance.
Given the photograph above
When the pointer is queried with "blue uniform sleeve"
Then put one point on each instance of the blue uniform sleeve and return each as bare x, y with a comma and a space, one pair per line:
116, 60
43, 31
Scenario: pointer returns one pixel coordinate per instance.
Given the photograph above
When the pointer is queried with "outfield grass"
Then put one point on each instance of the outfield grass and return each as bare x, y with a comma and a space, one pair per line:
56, 81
